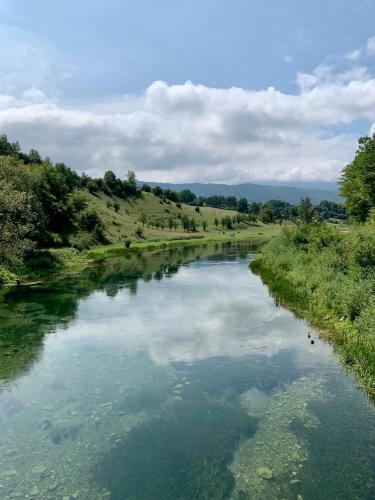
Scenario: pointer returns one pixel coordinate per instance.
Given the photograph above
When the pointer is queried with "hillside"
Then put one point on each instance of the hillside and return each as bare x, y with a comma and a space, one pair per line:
255, 192
124, 223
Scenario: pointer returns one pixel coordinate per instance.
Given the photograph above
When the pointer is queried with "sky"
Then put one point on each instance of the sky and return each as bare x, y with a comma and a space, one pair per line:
182, 91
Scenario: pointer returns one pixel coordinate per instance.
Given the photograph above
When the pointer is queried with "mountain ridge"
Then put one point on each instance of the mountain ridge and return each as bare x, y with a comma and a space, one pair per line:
254, 192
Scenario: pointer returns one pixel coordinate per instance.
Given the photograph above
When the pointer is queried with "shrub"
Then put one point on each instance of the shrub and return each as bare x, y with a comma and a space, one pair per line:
82, 240
92, 186
6, 277
365, 323
139, 232
127, 243
364, 254
90, 222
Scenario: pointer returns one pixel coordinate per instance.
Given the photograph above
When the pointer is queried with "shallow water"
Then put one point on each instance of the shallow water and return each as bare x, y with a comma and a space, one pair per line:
174, 375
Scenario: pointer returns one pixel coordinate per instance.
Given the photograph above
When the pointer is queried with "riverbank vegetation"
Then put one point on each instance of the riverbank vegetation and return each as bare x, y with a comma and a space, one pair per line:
328, 276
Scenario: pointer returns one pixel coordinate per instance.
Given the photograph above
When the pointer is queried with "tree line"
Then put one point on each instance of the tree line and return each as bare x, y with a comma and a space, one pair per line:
270, 212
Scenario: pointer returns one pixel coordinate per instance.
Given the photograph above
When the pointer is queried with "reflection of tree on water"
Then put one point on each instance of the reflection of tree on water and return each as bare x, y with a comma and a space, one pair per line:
28, 313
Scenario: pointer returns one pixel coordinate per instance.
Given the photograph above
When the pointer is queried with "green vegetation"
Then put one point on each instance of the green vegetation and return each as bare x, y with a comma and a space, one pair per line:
50, 216
328, 276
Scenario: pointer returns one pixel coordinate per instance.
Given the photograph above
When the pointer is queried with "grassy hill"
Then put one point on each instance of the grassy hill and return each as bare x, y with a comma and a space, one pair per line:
123, 224
256, 192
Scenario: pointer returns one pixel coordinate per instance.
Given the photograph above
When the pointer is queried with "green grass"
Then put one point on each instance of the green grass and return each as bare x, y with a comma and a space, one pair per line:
123, 224
328, 278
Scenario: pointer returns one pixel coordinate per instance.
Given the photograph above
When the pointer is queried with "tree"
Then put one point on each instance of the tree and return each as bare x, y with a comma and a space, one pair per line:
130, 185
216, 221
267, 215
110, 179
242, 205
90, 221
204, 225
193, 225
171, 195
157, 190
185, 223
92, 186
116, 206
306, 211
7, 148
143, 218
358, 180
252, 219
16, 224
186, 196
170, 224
34, 156
146, 188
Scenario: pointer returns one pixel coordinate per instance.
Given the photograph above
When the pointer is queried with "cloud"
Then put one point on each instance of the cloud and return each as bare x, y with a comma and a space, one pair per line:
200, 336
370, 46
367, 51
354, 55
191, 132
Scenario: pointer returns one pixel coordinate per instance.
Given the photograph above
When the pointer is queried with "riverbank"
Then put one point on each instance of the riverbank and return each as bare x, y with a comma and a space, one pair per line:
328, 278
70, 260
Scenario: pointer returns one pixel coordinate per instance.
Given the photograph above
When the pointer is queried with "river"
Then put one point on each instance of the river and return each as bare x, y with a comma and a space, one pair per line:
174, 375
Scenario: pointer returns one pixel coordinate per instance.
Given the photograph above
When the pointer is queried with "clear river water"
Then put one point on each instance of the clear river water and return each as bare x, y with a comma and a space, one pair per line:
174, 375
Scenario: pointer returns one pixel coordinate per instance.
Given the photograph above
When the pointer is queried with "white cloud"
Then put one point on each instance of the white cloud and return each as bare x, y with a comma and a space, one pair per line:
354, 55
370, 46
194, 132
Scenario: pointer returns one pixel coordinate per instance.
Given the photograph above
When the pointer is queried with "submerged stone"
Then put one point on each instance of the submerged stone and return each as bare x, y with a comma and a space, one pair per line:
264, 473
282, 449
38, 469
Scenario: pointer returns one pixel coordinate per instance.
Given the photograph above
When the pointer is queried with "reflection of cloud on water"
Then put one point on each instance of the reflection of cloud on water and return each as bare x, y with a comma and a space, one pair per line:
206, 310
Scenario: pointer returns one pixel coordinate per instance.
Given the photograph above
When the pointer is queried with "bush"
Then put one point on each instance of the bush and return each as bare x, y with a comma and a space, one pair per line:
365, 323
90, 222
82, 240
127, 243
364, 253
6, 277
92, 186
139, 232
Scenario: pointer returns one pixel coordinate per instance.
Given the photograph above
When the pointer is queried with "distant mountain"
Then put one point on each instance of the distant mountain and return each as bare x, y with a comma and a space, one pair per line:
255, 192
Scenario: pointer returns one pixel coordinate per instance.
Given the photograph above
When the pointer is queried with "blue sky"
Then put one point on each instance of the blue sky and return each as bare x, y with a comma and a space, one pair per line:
279, 90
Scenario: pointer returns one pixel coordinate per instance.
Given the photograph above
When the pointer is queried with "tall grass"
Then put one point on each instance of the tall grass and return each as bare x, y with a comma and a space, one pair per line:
328, 277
